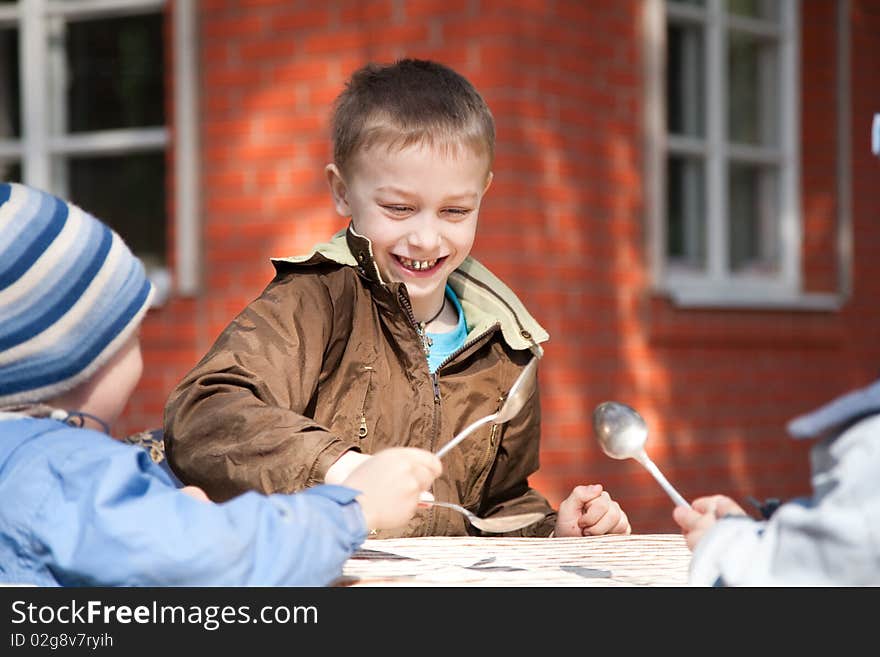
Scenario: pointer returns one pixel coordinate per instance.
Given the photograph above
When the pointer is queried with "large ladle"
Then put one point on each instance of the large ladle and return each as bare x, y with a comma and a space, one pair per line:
516, 398
622, 433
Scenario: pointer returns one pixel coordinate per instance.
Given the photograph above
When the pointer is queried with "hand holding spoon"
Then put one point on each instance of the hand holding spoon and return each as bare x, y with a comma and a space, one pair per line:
622, 433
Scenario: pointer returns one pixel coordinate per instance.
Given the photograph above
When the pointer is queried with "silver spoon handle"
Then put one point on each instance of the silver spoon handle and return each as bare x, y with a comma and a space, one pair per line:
655, 471
448, 505
467, 431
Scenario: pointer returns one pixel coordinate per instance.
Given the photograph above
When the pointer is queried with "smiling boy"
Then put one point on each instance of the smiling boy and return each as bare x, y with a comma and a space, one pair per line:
390, 334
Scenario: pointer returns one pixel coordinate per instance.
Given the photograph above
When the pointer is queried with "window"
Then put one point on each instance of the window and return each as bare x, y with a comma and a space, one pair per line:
724, 167
85, 90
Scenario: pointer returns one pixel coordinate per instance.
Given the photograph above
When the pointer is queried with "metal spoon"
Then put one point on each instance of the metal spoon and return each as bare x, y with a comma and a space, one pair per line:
622, 433
519, 392
496, 525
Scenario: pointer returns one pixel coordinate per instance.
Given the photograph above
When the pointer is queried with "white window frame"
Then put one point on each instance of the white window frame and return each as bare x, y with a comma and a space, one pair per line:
717, 286
39, 144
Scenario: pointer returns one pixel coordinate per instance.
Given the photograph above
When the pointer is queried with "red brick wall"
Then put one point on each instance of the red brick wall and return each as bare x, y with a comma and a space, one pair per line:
564, 225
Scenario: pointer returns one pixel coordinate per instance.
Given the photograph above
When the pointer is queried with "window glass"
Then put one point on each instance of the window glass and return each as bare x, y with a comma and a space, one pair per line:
686, 211
115, 73
753, 84
10, 116
763, 9
127, 192
10, 170
693, 3
753, 220
685, 80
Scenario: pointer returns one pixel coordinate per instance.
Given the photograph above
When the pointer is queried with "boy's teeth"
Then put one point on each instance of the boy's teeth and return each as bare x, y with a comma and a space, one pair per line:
417, 265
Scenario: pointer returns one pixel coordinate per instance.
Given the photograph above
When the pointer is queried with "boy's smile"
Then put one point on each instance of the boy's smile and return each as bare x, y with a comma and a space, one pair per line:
418, 206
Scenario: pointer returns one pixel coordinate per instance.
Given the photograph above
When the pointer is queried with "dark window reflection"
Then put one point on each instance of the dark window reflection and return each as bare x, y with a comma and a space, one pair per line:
116, 73
686, 211
685, 57
10, 90
127, 192
10, 171
753, 204
764, 9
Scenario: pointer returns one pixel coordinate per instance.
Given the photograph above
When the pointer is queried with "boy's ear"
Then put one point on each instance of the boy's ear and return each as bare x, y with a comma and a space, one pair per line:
488, 182
338, 190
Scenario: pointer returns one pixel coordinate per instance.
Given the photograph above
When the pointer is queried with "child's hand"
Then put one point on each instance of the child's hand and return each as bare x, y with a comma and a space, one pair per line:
196, 492
344, 466
391, 482
705, 512
590, 511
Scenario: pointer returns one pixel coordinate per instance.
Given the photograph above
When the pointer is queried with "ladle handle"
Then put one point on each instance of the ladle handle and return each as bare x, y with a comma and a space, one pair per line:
655, 471
464, 433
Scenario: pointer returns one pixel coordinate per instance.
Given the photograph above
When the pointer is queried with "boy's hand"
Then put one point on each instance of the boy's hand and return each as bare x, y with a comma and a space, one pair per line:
590, 511
705, 512
391, 482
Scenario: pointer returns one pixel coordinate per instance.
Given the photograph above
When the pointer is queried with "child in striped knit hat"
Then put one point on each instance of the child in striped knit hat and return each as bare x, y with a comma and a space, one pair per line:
82, 509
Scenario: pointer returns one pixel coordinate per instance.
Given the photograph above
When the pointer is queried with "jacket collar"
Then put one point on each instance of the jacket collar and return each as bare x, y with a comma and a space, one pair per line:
485, 299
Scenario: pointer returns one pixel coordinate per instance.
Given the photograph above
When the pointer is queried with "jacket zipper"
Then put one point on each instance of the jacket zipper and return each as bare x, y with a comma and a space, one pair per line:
435, 379
468, 345
362, 429
490, 447
435, 422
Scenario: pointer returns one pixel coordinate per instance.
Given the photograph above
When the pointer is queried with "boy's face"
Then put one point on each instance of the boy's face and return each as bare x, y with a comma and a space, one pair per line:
418, 206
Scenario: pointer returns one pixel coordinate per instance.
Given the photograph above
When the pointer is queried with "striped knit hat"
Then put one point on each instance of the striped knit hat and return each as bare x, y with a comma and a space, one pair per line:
71, 294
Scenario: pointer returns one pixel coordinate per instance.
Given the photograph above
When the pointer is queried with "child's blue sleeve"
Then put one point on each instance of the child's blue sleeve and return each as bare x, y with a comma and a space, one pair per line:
110, 516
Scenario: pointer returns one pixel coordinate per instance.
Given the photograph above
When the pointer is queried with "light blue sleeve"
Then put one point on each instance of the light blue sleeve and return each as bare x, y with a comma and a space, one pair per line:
831, 539
111, 517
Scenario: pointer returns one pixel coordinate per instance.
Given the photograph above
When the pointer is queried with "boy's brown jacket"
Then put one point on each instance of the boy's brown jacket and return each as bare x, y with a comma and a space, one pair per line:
328, 359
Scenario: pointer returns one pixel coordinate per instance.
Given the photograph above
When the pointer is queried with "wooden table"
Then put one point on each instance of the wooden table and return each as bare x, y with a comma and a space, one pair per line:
636, 560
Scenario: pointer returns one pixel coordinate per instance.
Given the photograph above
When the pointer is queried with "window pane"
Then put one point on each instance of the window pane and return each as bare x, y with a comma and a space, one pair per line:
685, 58
10, 170
753, 85
765, 9
10, 91
686, 211
753, 204
693, 3
115, 73
128, 192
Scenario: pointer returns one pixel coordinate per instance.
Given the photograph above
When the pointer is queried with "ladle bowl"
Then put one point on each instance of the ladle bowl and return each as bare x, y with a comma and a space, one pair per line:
622, 434
516, 398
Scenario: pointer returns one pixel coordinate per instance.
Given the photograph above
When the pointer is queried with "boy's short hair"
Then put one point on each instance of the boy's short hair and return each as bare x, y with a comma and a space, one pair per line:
71, 294
406, 103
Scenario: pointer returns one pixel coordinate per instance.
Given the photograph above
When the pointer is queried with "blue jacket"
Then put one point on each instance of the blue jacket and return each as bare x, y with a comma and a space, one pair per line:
78, 508
829, 539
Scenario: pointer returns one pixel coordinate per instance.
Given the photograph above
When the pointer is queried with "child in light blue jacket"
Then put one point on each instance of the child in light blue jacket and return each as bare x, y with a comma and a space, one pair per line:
79, 508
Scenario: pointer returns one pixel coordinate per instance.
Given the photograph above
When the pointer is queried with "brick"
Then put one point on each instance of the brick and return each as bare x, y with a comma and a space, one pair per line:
275, 124
422, 9
301, 19
367, 12
236, 26
303, 70
268, 49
